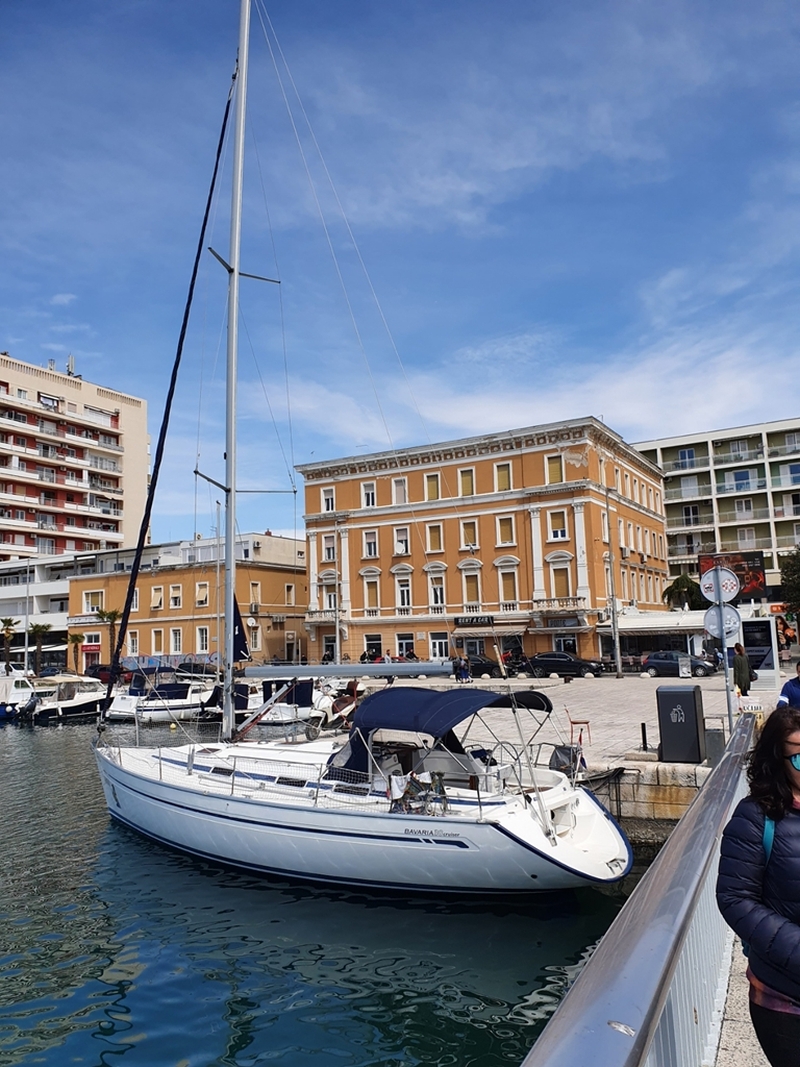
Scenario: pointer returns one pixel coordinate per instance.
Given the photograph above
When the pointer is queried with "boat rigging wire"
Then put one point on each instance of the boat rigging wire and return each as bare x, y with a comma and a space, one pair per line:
162, 434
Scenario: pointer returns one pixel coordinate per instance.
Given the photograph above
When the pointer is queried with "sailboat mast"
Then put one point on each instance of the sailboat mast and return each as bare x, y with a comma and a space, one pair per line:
228, 707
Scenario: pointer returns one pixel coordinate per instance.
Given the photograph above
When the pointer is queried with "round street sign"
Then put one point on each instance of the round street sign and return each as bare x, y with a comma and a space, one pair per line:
728, 584
730, 619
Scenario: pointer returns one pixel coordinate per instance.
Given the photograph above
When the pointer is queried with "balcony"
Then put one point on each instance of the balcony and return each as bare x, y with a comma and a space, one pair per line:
685, 522
746, 546
696, 463
784, 450
403, 611
689, 551
785, 481
749, 454
436, 609
787, 513
561, 604
509, 605
321, 616
744, 516
788, 540
688, 492
751, 486
472, 609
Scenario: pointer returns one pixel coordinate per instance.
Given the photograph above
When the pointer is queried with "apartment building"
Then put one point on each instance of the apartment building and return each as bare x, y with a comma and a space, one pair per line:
734, 490
73, 462
178, 605
504, 537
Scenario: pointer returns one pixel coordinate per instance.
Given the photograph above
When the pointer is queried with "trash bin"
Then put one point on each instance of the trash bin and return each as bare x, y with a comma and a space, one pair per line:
681, 724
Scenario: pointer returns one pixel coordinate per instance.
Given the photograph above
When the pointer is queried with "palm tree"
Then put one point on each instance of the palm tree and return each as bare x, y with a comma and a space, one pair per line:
7, 629
112, 617
37, 631
76, 640
684, 590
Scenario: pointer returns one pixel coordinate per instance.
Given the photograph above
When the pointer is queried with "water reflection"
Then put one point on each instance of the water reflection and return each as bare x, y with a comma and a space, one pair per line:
118, 948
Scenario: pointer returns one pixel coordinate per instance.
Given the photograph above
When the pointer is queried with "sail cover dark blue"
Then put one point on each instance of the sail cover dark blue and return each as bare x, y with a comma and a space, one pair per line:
428, 711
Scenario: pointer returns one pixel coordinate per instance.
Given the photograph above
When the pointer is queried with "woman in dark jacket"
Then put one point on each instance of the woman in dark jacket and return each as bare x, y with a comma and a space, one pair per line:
759, 894
741, 670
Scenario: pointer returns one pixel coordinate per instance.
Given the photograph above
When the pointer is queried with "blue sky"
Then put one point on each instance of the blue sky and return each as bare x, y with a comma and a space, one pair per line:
563, 210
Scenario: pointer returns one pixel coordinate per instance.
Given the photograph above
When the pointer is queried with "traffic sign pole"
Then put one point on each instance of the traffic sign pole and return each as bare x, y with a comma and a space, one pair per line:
723, 641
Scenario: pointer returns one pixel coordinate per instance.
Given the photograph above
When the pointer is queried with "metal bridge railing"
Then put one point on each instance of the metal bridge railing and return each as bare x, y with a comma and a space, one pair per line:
650, 995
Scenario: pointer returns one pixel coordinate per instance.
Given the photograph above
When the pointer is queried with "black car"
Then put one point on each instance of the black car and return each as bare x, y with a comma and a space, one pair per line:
666, 664
563, 664
480, 665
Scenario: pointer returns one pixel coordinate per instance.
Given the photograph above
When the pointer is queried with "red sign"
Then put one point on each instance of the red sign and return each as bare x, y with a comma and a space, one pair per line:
747, 566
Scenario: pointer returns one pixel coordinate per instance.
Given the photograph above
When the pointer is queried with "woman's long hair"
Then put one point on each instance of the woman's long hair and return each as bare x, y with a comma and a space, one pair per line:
766, 771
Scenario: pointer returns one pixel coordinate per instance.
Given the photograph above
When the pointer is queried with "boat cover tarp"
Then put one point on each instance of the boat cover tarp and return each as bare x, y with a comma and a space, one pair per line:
429, 711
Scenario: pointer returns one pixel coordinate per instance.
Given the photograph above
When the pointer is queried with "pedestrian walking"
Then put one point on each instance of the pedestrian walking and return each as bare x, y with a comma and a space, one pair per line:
758, 887
741, 670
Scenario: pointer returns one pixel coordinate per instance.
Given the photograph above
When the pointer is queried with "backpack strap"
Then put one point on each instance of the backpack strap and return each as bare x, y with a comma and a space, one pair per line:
769, 837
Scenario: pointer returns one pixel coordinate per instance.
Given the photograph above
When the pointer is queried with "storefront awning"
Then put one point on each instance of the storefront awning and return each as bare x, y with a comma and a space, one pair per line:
489, 631
656, 622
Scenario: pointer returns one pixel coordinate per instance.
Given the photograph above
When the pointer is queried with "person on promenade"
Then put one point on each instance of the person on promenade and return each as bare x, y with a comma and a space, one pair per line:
758, 886
790, 694
741, 670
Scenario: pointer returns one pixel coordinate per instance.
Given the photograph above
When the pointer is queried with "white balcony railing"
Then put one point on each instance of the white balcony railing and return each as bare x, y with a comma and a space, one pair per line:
750, 486
738, 457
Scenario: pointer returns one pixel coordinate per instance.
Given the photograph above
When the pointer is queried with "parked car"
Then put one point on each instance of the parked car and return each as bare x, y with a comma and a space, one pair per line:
665, 664
479, 665
563, 664
102, 671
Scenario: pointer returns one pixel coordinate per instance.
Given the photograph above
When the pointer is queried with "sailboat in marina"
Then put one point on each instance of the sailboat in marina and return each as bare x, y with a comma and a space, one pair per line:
424, 793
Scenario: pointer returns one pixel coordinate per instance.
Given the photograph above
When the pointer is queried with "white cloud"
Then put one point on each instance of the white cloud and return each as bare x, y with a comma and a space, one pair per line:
63, 299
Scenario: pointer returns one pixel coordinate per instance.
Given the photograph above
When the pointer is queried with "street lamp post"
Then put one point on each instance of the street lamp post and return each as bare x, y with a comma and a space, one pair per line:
612, 585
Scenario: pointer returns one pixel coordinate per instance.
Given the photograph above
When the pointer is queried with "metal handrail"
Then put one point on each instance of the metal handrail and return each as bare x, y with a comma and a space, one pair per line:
611, 1014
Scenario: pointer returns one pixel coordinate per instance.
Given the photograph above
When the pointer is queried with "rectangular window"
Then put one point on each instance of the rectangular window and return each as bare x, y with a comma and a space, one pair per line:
399, 491
401, 542
368, 494
508, 587
691, 515
560, 582
471, 590
502, 477
685, 458
201, 594
133, 642
371, 594
469, 534
431, 486
254, 638
555, 469
158, 642
135, 604
466, 481
329, 594
558, 525
202, 639
371, 544
328, 501
505, 530
329, 547
604, 525
157, 597
255, 592
435, 538
403, 593
175, 638
746, 537
436, 591
175, 596
92, 602
744, 507
288, 595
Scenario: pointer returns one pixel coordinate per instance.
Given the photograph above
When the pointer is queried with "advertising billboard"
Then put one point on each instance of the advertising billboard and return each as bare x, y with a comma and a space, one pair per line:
747, 566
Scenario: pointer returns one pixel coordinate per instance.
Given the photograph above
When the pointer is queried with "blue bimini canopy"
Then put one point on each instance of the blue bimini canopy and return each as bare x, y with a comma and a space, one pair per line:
428, 711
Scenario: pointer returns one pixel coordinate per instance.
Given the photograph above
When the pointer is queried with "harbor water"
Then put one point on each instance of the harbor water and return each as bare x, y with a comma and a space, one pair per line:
118, 951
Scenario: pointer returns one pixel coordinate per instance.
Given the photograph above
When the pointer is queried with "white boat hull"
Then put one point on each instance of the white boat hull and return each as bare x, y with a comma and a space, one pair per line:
324, 834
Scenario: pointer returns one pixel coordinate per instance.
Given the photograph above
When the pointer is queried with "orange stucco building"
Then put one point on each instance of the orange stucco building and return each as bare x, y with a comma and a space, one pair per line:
504, 539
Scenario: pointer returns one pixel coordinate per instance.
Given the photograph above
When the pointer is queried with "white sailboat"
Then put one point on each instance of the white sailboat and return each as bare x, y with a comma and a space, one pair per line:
404, 800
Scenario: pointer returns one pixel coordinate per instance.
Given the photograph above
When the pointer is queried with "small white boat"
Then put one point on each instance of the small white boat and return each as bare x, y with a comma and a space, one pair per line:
66, 697
400, 802
161, 696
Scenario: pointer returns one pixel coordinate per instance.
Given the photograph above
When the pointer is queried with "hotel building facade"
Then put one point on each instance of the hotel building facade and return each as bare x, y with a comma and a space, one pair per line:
734, 490
74, 461
178, 607
504, 539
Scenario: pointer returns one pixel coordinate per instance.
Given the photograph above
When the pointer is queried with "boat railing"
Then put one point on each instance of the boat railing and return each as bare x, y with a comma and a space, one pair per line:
652, 994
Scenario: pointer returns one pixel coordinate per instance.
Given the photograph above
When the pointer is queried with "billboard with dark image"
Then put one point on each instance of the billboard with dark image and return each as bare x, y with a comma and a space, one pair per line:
747, 566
